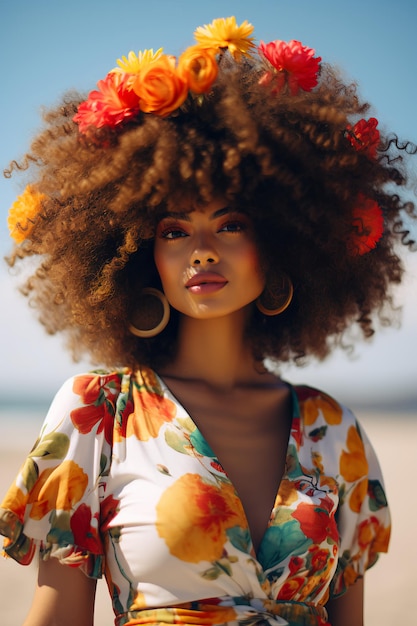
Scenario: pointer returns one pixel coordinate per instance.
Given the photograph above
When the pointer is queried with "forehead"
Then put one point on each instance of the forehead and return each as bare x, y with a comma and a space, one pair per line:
212, 209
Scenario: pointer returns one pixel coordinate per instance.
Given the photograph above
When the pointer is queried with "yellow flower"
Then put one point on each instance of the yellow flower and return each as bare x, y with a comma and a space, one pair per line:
132, 64
23, 212
225, 33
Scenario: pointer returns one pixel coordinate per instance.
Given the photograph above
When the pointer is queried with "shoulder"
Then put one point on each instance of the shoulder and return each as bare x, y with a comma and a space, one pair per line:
315, 405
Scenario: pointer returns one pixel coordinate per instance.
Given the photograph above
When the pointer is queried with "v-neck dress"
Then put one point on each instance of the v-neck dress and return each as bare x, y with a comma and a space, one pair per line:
122, 483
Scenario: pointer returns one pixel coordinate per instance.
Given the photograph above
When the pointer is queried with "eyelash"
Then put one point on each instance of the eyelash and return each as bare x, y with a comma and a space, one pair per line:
240, 226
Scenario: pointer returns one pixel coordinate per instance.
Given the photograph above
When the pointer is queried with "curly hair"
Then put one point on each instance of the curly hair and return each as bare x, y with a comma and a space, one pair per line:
284, 159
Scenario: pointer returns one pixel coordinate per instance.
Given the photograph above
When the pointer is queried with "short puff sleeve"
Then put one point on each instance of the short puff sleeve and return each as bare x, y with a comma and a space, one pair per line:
363, 516
54, 503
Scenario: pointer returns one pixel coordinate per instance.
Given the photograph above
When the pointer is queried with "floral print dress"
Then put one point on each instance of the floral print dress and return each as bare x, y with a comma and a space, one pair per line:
121, 483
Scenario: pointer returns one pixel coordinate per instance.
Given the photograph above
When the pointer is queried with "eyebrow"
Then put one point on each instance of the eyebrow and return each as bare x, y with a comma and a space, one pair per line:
186, 216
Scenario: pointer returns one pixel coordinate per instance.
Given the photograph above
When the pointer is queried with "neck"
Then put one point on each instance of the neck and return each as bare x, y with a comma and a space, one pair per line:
215, 352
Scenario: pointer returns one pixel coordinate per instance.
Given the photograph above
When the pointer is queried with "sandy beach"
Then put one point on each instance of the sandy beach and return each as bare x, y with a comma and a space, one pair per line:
390, 585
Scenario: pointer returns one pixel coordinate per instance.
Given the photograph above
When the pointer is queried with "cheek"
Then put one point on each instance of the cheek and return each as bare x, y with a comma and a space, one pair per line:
252, 265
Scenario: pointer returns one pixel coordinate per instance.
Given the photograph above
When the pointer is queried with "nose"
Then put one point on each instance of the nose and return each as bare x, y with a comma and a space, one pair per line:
204, 253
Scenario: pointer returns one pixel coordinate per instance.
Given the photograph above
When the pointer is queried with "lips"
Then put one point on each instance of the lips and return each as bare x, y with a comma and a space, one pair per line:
204, 278
205, 283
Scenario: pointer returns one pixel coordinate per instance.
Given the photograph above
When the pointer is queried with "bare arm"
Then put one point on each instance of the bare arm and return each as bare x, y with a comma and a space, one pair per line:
348, 609
64, 596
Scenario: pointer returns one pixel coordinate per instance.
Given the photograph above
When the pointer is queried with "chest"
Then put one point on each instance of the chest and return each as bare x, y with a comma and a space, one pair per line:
248, 433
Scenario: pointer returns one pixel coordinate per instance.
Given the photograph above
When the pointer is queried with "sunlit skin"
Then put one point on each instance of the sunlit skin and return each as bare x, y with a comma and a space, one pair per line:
243, 412
208, 261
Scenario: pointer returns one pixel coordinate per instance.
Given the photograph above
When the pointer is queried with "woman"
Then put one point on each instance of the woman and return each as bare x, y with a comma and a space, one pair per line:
195, 221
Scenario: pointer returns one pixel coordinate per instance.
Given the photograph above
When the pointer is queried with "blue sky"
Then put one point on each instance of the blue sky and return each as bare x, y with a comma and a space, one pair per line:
48, 48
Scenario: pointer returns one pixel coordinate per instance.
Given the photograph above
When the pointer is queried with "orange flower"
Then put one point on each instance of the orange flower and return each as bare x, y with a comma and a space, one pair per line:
287, 493
353, 464
193, 517
160, 88
151, 411
314, 402
372, 533
358, 495
350, 575
15, 500
58, 488
23, 213
198, 67
382, 538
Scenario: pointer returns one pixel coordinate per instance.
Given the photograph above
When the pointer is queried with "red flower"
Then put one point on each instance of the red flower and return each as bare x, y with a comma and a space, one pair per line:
364, 136
319, 558
85, 536
290, 588
294, 63
316, 522
368, 223
108, 510
113, 103
97, 395
295, 564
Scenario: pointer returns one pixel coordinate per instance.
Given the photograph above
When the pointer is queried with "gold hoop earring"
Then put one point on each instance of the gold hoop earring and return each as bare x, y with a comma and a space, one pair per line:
276, 297
151, 305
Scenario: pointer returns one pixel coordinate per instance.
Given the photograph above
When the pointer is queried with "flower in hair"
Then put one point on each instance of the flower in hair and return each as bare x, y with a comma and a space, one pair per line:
199, 67
368, 223
364, 136
113, 103
293, 64
23, 212
224, 33
160, 88
159, 84
133, 63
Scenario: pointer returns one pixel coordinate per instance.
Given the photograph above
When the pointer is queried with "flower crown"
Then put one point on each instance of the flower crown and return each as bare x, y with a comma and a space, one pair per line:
159, 84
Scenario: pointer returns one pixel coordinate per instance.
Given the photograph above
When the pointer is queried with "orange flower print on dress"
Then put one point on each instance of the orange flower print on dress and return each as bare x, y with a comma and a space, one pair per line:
314, 402
193, 517
372, 534
287, 493
354, 467
353, 464
151, 411
358, 495
15, 501
58, 488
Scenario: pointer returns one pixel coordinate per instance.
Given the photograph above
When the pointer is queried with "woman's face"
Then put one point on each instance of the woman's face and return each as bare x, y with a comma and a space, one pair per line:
208, 261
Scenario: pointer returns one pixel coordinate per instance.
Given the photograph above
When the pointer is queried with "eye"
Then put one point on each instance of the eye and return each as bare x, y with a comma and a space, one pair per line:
172, 233
234, 226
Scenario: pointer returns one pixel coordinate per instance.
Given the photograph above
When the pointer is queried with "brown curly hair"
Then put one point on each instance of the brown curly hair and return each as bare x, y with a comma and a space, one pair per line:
284, 159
